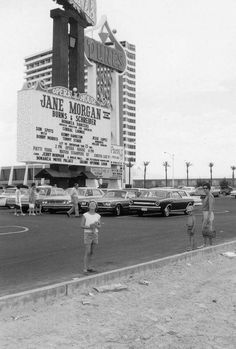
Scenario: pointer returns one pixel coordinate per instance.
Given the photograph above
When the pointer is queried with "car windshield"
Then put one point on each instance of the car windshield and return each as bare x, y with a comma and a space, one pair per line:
154, 193
44, 191
115, 194
81, 192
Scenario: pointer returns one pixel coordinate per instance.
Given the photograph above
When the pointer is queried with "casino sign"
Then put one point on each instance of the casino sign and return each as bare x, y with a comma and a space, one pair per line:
85, 8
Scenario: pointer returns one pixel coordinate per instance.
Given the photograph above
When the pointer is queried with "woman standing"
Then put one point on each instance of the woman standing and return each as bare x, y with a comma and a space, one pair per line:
91, 224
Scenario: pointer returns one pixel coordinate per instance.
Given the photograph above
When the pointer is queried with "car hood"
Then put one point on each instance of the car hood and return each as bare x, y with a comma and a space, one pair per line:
56, 198
110, 199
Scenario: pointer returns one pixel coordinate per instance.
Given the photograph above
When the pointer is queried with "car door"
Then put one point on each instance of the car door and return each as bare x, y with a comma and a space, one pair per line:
177, 202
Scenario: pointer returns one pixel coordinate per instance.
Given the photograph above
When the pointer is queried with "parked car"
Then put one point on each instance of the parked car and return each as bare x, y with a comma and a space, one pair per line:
162, 201
115, 201
233, 194
51, 198
201, 192
10, 196
54, 199
85, 193
190, 190
226, 191
186, 194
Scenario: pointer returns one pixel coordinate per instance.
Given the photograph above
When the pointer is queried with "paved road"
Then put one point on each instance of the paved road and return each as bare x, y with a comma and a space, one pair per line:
51, 248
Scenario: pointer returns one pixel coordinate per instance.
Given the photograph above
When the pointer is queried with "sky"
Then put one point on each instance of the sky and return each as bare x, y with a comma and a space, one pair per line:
186, 77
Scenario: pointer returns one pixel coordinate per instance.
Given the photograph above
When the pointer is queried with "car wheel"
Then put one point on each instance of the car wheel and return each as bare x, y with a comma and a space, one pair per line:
118, 210
140, 213
166, 211
186, 210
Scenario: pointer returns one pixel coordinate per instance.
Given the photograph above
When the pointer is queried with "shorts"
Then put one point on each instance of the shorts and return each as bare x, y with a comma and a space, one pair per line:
18, 206
90, 238
31, 205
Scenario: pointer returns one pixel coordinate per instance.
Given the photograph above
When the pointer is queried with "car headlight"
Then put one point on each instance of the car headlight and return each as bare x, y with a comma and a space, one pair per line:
44, 202
108, 204
66, 202
84, 203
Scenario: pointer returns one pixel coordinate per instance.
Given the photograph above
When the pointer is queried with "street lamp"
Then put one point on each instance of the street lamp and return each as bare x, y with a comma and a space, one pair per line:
129, 165
188, 164
166, 165
173, 167
145, 163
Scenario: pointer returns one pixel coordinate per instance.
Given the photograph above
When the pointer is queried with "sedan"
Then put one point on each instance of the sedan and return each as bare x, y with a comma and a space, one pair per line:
201, 192
10, 196
162, 201
115, 201
53, 199
87, 193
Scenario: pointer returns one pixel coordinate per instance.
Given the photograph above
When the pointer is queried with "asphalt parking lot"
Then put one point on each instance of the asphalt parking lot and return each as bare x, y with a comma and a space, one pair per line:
41, 250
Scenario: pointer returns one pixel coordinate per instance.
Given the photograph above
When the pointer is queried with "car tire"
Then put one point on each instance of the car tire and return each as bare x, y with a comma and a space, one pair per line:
140, 213
166, 211
185, 211
118, 210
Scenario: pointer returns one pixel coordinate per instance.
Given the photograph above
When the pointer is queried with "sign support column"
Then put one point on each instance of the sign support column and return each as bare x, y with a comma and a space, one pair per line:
60, 48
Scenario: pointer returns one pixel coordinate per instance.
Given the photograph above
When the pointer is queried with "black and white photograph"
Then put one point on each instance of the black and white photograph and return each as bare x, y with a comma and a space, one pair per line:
117, 174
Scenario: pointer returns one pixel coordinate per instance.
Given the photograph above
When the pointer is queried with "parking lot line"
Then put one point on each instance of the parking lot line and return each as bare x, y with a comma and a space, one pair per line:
23, 230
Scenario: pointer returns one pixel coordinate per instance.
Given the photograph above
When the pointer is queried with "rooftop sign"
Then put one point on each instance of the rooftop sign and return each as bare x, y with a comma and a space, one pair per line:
86, 8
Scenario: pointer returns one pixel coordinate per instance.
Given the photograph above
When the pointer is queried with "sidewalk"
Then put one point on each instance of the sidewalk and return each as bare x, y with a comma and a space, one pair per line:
185, 306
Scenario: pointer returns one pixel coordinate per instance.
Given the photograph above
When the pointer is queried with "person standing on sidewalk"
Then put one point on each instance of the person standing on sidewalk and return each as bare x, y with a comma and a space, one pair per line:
208, 231
75, 201
18, 206
91, 223
32, 199
191, 227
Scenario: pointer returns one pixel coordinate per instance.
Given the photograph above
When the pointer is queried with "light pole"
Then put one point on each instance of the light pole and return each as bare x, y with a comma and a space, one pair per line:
129, 165
233, 168
211, 164
188, 164
173, 167
145, 163
166, 165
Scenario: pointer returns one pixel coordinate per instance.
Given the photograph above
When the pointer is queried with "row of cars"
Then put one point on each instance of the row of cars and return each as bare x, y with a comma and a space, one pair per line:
114, 201
216, 191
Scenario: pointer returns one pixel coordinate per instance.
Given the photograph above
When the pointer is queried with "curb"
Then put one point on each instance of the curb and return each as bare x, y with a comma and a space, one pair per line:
69, 288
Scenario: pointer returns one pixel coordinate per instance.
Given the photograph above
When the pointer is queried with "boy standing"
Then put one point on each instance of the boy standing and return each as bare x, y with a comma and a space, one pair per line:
191, 227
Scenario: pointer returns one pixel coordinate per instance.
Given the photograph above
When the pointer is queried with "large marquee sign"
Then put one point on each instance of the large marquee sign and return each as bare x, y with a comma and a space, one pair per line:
56, 128
86, 8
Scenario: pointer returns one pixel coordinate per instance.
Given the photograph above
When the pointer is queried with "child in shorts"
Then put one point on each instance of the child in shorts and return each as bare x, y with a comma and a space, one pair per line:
90, 224
191, 227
